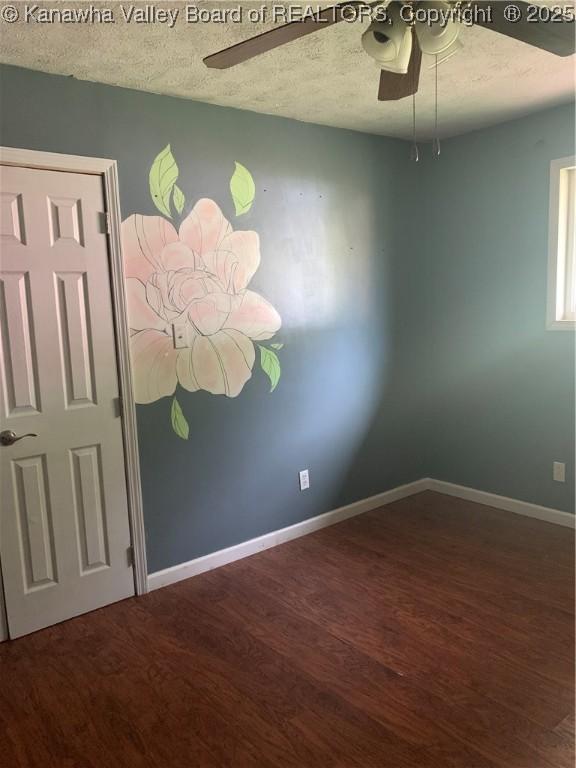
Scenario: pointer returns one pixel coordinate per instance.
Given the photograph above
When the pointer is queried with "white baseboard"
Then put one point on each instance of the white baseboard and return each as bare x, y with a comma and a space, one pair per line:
245, 549
547, 514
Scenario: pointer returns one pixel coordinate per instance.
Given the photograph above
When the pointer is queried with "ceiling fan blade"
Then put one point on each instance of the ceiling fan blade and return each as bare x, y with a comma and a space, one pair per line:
553, 36
394, 86
273, 38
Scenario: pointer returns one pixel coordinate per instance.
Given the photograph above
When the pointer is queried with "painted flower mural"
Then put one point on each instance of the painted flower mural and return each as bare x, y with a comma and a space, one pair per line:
193, 319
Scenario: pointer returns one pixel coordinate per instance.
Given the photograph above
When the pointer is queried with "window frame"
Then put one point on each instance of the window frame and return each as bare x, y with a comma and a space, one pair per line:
561, 249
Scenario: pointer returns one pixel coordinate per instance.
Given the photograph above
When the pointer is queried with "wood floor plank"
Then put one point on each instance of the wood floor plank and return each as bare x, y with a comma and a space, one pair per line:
389, 698
434, 633
410, 646
531, 625
398, 591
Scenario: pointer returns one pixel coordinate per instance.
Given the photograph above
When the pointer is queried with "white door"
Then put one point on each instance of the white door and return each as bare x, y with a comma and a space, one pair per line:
64, 527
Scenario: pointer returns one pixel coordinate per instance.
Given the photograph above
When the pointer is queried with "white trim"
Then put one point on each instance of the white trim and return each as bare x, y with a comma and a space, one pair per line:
247, 548
54, 161
556, 250
109, 172
547, 514
132, 458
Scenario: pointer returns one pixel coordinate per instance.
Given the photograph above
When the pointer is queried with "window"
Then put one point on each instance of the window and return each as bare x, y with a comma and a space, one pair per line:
562, 264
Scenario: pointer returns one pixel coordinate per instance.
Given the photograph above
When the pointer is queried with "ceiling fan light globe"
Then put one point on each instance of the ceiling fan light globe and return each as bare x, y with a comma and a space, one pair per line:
435, 37
449, 52
389, 45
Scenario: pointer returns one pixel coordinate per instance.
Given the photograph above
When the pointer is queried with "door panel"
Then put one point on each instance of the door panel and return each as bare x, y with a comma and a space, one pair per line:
11, 217
88, 504
35, 523
64, 528
75, 337
19, 363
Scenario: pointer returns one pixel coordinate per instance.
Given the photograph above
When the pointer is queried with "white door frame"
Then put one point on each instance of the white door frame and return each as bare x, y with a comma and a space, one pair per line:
108, 170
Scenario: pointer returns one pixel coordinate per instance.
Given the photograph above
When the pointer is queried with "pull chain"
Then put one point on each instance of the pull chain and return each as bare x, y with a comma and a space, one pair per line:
436, 140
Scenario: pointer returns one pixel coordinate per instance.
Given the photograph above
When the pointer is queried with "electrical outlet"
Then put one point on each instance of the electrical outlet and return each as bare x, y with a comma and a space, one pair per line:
559, 471
304, 479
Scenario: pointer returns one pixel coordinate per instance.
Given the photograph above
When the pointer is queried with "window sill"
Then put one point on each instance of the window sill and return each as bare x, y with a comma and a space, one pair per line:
561, 325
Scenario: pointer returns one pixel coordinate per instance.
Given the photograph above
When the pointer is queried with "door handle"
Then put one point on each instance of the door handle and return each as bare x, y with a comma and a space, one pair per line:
8, 437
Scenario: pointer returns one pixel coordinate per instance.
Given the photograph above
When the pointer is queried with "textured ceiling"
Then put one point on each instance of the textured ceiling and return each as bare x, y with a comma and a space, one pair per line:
324, 78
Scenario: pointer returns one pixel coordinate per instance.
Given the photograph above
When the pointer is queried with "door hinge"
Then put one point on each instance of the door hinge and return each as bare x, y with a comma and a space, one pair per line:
105, 222
119, 407
130, 556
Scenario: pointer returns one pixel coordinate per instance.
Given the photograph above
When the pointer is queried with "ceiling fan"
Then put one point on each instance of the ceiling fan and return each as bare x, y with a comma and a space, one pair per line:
397, 39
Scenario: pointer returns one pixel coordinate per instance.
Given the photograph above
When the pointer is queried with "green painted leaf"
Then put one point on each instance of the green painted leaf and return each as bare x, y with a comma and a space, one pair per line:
243, 189
179, 423
178, 199
276, 345
163, 175
270, 365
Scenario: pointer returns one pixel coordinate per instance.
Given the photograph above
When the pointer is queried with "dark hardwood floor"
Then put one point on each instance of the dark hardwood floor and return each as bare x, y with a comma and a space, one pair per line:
433, 633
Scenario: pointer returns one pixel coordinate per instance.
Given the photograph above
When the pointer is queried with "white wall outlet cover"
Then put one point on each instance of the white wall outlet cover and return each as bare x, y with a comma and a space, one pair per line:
559, 471
304, 479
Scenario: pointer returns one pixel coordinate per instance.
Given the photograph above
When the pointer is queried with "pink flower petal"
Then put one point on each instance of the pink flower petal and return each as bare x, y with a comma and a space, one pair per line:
143, 239
185, 369
255, 317
204, 227
154, 295
154, 365
238, 259
188, 285
237, 354
209, 314
222, 363
177, 256
141, 314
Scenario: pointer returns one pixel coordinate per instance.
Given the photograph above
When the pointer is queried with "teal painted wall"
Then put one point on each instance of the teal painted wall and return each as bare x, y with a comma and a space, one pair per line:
500, 386
329, 212
413, 306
